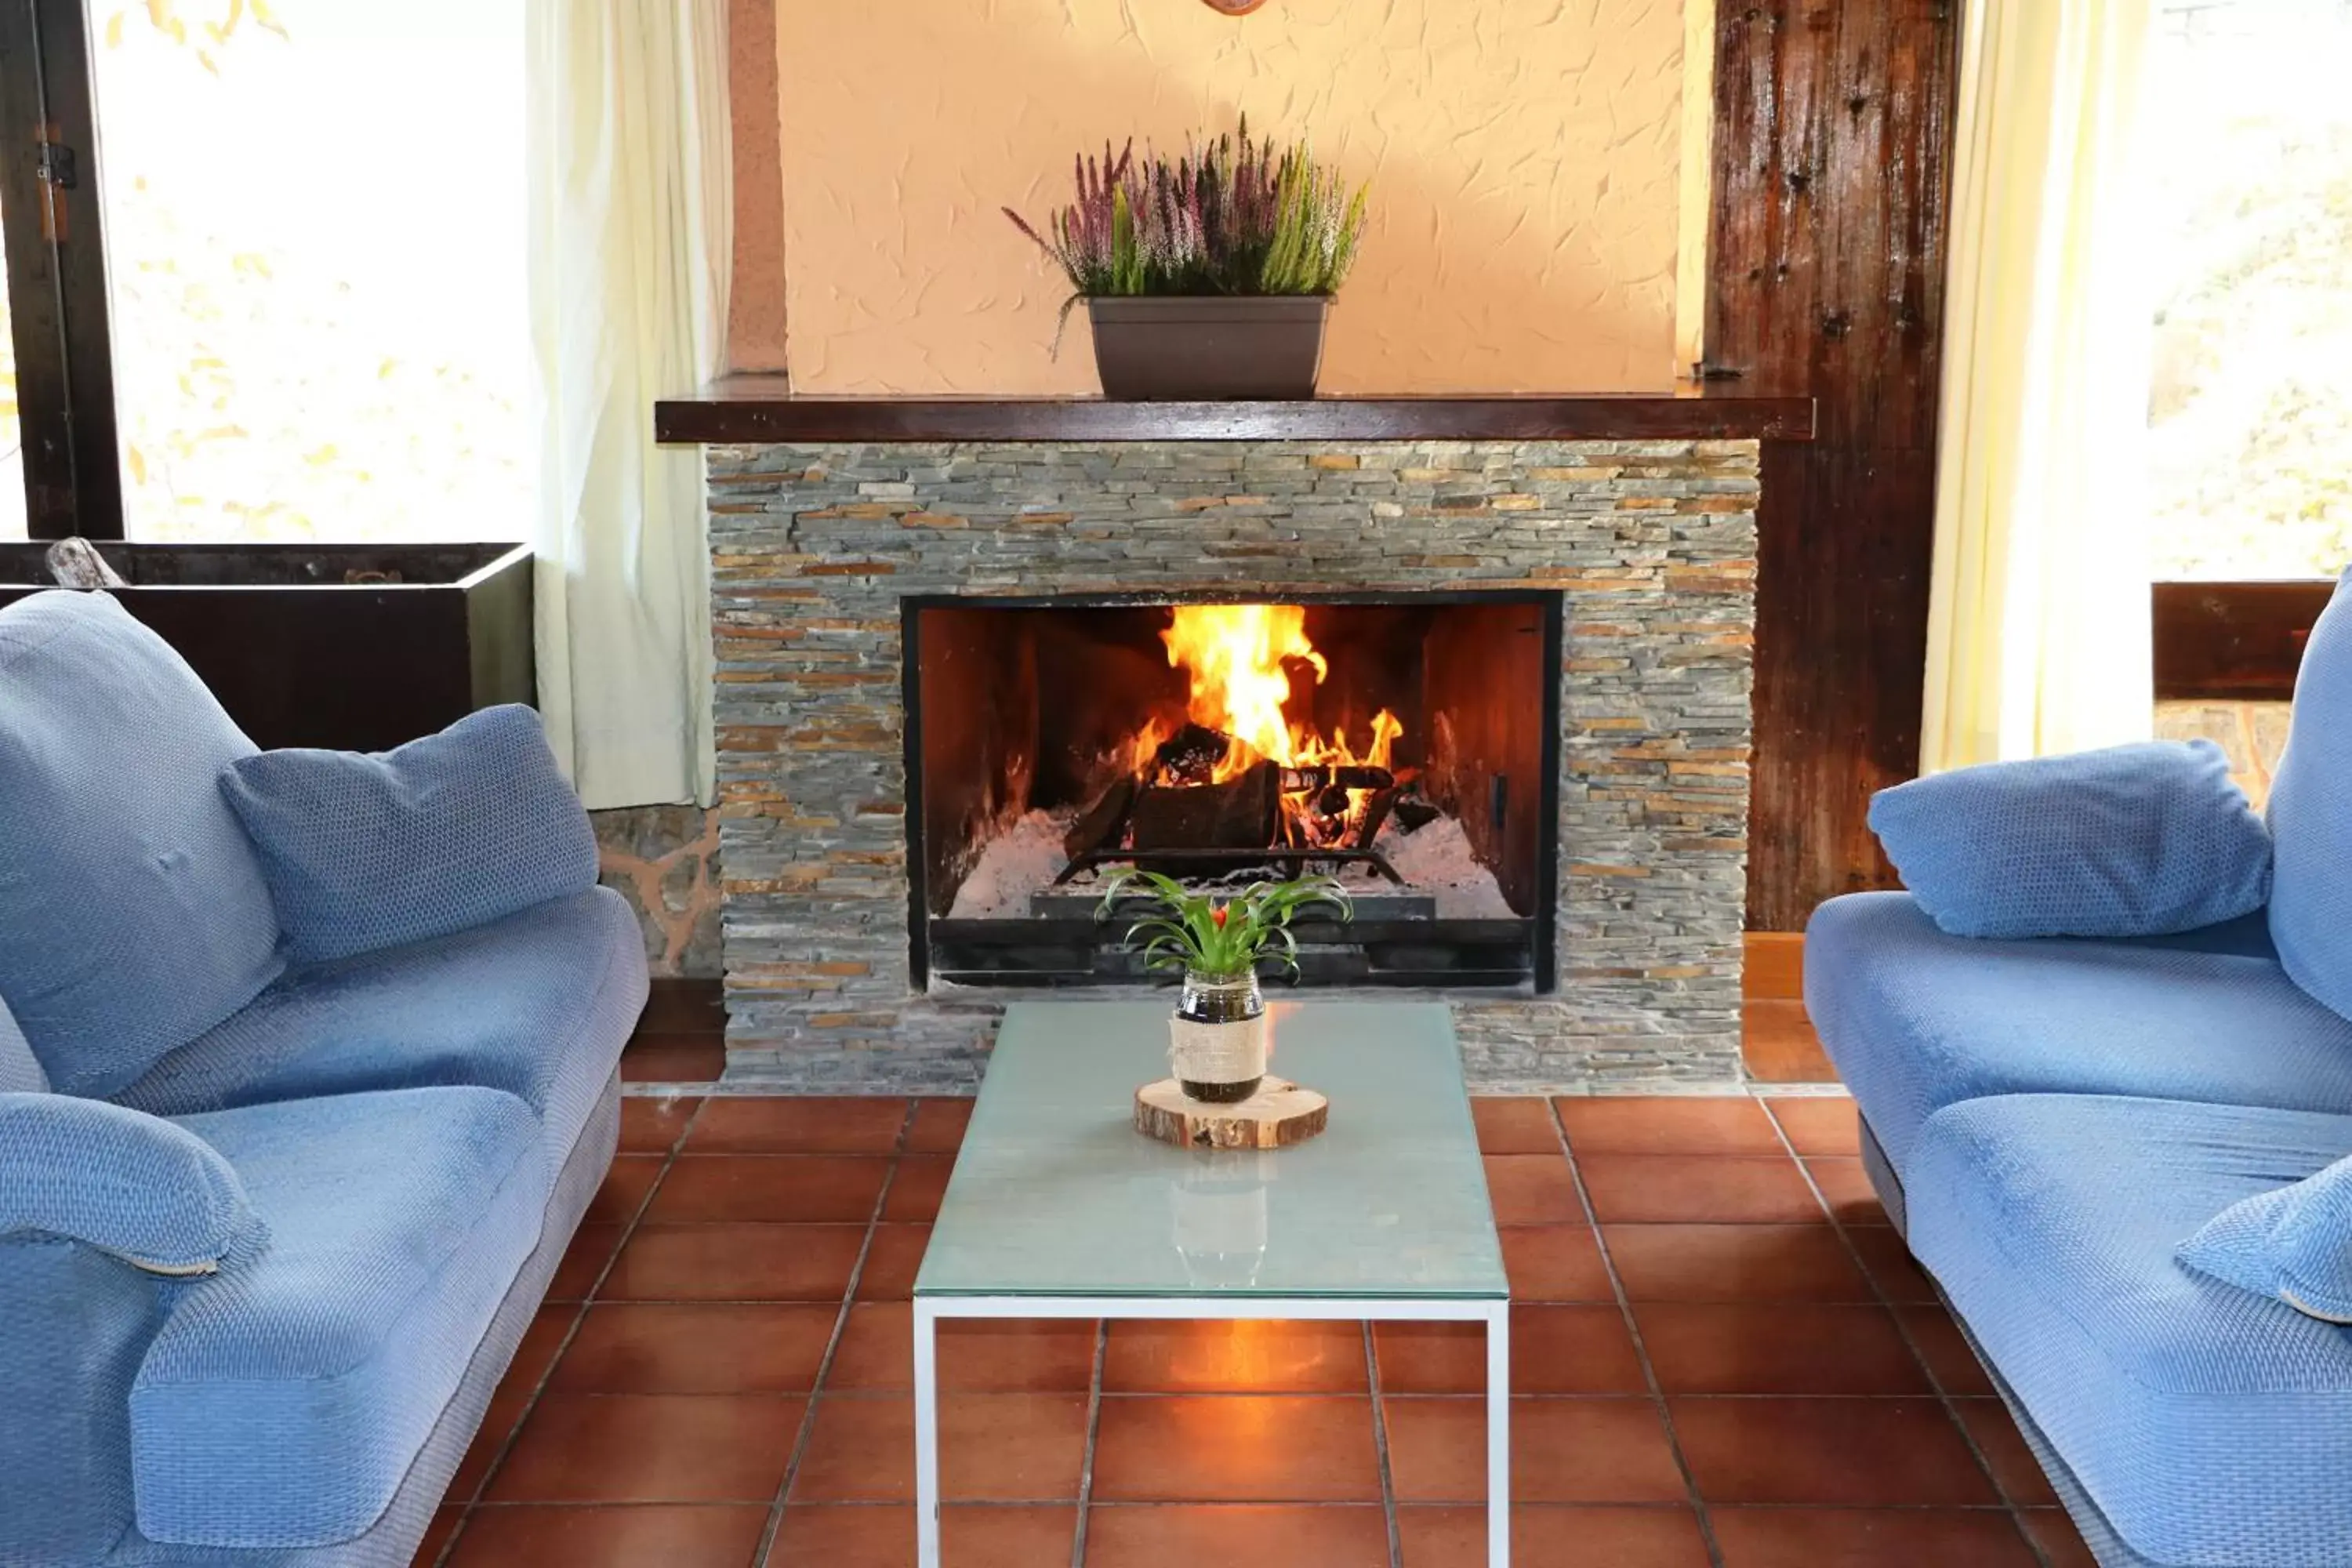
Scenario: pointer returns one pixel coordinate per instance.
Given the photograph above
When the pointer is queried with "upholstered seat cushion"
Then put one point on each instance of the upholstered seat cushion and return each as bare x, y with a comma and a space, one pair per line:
285, 1397
538, 1004
132, 912
2209, 1424
1916, 1019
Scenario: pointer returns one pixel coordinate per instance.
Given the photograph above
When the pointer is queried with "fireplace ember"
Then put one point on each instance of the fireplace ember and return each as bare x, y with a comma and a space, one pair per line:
1406, 745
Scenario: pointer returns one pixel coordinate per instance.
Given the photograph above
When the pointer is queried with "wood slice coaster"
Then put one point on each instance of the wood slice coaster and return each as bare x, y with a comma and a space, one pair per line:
1278, 1115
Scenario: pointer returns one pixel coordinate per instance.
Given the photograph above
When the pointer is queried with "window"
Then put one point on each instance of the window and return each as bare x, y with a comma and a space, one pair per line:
313, 236
2250, 403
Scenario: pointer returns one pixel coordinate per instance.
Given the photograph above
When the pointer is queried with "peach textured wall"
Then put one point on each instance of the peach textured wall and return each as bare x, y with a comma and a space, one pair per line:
1523, 157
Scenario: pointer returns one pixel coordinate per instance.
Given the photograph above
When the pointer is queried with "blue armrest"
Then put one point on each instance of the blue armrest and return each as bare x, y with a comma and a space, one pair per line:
154, 1194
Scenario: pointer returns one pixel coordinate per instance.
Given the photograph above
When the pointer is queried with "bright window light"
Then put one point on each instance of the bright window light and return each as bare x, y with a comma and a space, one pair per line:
2251, 405
315, 243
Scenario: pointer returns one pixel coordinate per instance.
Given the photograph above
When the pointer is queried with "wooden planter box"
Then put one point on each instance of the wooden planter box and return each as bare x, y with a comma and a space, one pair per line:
354, 647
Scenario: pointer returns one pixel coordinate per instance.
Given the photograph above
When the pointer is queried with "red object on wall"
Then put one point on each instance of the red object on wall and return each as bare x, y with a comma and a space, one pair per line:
1233, 7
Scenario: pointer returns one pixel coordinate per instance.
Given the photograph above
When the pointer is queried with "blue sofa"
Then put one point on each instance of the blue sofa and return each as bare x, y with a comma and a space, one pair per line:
270, 1231
2047, 1120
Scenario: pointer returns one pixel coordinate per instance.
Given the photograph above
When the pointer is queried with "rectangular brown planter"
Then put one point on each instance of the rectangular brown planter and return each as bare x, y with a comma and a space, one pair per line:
1204, 348
354, 647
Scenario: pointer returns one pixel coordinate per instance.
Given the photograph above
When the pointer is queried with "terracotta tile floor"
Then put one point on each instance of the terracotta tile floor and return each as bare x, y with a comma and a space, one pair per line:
1721, 1355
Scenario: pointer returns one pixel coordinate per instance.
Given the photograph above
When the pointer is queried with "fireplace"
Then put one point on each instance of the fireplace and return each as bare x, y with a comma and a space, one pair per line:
1404, 742
924, 643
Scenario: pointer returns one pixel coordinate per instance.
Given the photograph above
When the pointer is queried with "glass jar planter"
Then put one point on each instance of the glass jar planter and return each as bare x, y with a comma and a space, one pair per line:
1217, 1040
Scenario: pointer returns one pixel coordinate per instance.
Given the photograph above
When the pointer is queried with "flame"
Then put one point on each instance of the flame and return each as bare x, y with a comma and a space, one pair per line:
1234, 656
1143, 747
1310, 750
1238, 659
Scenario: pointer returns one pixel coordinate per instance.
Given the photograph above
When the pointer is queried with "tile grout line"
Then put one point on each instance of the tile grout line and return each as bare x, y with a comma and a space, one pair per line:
807, 1430
1903, 1331
1380, 1447
1641, 1350
563, 1347
1094, 1432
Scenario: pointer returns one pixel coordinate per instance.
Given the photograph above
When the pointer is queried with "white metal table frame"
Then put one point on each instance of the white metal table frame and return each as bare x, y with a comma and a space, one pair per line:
1493, 1311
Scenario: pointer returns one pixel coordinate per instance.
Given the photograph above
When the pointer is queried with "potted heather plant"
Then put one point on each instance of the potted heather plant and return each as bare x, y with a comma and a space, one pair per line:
1207, 276
1217, 1039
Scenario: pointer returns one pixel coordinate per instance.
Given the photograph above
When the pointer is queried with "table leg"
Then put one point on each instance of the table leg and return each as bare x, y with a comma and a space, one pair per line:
1498, 1436
926, 1438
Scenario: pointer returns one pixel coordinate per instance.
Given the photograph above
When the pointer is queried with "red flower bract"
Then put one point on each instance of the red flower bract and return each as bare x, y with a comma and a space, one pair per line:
1218, 915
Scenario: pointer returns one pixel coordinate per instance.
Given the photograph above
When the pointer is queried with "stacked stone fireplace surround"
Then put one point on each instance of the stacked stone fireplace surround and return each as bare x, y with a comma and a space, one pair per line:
1651, 543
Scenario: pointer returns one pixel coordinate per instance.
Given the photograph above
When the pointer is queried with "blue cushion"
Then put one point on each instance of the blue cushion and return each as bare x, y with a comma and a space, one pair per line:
1916, 1019
283, 1399
2209, 1424
20, 1070
2310, 816
455, 830
132, 912
538, 1004
2129, 841
2292, 1243
151, 1194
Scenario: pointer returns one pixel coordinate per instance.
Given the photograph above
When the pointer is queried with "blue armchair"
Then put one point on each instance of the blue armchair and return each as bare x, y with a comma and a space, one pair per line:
271, 1224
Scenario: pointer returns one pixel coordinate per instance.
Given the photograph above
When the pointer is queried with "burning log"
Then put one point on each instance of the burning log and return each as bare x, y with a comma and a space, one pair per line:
1322, 777
1098, 827
1375, 813
1243, 813
1190, 755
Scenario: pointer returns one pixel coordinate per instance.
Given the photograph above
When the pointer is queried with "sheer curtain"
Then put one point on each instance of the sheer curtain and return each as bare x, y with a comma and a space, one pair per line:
2038, 632
629, 215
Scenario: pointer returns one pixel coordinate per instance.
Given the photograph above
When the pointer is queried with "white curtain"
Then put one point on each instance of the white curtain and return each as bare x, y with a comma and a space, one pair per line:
2038, 630
629, 214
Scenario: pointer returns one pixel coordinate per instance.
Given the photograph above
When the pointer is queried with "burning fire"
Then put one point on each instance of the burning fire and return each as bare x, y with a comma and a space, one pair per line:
1238, 659
1234, 655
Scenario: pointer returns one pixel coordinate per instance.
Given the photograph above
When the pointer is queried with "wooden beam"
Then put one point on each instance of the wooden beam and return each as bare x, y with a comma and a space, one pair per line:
1833, 154
2233, 641
754, 408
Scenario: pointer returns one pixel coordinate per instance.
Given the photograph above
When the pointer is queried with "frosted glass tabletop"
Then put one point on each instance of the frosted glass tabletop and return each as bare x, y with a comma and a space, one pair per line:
1056, 1193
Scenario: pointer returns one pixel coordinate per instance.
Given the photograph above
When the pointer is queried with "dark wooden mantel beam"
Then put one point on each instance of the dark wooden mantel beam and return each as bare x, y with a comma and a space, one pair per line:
748, 409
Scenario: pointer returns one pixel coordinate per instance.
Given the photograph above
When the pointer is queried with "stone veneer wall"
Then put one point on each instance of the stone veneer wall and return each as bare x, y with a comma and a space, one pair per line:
1652, 543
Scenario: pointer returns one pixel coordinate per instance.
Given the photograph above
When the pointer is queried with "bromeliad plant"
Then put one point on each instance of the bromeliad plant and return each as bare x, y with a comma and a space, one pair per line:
1215, 939
1234, 216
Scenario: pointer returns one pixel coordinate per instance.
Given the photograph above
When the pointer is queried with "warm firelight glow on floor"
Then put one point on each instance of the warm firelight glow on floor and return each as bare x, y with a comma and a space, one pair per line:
1715, 1336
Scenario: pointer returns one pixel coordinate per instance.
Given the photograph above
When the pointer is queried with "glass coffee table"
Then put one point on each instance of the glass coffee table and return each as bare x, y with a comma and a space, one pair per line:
1059, 1208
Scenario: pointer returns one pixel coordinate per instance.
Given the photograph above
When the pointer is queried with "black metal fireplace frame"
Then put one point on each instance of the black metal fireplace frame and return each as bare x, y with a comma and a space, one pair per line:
1542, 933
